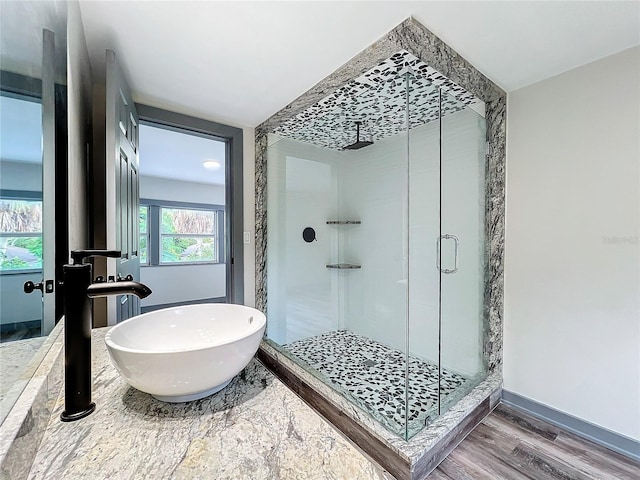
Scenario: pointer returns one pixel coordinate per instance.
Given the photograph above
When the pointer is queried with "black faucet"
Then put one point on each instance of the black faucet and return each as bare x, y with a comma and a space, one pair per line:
78, 292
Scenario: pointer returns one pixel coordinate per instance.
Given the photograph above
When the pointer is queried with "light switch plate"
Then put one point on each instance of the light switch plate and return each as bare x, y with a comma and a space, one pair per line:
247, 237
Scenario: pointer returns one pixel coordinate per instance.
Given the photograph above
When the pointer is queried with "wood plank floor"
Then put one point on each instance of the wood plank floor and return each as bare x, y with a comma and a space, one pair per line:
509, 444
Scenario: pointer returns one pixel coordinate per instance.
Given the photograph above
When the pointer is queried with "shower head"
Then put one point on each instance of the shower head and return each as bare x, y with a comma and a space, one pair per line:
359, 143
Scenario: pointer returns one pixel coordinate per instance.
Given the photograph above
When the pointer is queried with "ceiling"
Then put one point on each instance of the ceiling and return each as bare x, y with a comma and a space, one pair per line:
180, 156
240, 62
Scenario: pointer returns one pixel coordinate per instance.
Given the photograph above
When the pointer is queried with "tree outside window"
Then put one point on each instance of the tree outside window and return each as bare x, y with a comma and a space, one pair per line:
188, 236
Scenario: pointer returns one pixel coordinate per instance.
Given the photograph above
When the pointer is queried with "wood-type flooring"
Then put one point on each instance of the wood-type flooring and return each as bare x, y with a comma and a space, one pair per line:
509, 444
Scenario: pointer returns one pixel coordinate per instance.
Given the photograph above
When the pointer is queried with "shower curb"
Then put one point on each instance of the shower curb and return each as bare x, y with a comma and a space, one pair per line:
405, 460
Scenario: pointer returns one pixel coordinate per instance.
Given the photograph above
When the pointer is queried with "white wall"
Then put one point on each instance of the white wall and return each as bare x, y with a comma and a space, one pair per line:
373, 186
156, 188
20, 176
572, 259
249, 201
182, 283
15, 306
302, 186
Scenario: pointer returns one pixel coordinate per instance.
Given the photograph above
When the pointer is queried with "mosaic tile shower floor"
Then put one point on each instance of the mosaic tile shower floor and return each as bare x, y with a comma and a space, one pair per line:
373, 377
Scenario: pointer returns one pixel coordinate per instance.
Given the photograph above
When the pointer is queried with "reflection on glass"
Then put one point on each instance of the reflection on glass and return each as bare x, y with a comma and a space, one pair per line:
20, 235
32, 75
21, 212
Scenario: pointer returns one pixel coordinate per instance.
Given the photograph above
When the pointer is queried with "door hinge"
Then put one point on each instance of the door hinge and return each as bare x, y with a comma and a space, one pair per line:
488, 149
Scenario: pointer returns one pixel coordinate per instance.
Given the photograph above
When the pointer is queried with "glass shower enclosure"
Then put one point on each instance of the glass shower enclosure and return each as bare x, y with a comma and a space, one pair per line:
376, 247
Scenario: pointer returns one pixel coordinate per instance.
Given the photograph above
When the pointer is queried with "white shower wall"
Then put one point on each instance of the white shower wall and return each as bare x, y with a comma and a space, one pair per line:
303, 298
373, 188
463, 215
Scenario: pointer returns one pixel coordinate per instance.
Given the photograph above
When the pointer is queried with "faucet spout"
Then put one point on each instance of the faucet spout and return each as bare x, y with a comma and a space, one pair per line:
78, 292
103, 289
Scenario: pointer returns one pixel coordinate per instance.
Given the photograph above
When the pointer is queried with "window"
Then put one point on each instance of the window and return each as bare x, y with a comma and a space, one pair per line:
20, 235
172, 234
144, 234
188, 236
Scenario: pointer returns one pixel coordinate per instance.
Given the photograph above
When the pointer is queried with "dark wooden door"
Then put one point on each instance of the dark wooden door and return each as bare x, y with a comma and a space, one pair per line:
123, 195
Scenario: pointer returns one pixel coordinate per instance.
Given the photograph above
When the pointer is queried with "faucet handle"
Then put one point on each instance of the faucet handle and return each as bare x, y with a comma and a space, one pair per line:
79, 255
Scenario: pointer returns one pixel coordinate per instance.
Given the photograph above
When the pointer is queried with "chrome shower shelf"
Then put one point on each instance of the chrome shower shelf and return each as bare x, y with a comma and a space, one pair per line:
343, 222
344, 266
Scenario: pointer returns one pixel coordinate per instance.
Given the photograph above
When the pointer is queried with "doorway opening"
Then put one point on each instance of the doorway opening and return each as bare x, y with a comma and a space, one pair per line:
190, 215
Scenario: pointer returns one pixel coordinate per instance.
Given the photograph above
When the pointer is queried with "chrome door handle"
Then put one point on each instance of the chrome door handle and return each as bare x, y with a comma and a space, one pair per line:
456, 242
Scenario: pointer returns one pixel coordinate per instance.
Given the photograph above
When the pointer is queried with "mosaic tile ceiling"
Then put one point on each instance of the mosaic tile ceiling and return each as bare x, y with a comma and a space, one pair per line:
378, 99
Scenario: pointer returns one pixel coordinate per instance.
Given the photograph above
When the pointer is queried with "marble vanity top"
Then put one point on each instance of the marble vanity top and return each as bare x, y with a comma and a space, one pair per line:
14, 358
256, 428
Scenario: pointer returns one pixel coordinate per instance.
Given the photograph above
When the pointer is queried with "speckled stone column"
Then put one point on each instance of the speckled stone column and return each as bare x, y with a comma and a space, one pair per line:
261, 220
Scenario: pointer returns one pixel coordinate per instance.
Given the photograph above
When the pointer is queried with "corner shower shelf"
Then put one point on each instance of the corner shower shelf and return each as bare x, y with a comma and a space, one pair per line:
343, 222
344, 266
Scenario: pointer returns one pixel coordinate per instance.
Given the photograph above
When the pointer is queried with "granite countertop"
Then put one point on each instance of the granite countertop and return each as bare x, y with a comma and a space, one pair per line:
14, 359
256, 428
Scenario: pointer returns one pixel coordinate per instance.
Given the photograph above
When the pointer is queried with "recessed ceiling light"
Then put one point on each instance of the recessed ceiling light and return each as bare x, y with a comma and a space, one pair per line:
211, 164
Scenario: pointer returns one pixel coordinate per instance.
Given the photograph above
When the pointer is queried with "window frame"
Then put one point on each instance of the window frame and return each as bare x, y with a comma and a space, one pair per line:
28, 196
154, 234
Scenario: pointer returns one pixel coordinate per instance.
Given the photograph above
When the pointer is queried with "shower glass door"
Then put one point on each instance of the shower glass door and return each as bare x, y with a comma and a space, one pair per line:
462, 250
423, 171
375, 253
446, 251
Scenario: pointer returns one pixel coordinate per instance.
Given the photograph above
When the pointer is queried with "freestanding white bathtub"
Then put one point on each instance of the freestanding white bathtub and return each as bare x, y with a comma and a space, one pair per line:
185, 353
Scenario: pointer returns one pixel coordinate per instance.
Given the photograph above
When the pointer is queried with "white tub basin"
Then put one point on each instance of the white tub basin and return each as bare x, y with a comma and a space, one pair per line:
184, 353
